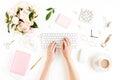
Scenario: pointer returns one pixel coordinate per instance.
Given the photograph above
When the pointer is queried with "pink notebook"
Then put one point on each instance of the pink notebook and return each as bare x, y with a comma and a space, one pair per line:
63, 20
20, 63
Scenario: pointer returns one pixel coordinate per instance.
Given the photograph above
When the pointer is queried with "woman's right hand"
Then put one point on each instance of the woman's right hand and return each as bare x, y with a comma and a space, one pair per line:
66, 48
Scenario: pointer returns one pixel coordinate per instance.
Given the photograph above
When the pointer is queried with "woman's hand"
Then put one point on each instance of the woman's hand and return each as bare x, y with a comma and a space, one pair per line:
51, 51
66, 48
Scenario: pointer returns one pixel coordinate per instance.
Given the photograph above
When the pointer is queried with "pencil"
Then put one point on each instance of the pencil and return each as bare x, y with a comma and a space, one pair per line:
35, 63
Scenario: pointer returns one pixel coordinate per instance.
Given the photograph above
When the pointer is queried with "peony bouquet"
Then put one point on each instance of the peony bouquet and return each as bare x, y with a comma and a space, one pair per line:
22, 19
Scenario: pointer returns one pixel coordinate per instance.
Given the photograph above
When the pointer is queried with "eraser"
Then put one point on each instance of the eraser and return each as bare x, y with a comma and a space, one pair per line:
20, 63
63, 20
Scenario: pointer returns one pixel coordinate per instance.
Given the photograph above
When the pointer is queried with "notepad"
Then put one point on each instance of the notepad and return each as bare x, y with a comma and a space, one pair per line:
63, 20
20, 63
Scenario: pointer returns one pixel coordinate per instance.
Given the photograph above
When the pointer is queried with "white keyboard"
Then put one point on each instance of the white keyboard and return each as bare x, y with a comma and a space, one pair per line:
47, 38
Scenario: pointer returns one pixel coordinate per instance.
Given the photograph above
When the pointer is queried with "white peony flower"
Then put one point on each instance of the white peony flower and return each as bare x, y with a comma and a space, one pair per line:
29, 23
15, 20
24, 16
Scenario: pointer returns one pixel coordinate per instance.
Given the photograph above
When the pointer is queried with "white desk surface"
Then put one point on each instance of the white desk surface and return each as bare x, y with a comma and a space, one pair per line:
101, 9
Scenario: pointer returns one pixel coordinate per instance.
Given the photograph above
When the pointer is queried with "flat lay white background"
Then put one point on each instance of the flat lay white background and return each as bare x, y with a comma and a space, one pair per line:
108, 9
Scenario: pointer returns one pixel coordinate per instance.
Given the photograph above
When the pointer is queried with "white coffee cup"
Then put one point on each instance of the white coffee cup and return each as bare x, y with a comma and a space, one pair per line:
101, 62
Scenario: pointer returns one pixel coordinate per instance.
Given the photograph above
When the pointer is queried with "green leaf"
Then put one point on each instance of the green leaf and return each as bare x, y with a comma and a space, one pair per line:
53, 11
48, 15
7, 15
22, 32
31, 16
36, 16
21, 9
29, 8
21, 20
16, 28
18, 11
34, 25
8, 27
49, 9
12, 25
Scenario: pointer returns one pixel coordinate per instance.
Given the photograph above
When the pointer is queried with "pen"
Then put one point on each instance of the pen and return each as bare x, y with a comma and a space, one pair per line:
35, 63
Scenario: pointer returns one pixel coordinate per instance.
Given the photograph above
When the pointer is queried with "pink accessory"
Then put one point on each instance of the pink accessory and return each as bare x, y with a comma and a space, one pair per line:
20, 63
63, 20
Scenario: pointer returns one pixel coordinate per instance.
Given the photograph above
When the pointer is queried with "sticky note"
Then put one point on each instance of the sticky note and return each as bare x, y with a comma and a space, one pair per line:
20, 63
63, 20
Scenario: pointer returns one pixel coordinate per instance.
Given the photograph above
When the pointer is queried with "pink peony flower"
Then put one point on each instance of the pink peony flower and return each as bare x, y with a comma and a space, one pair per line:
24, 27
31, 30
